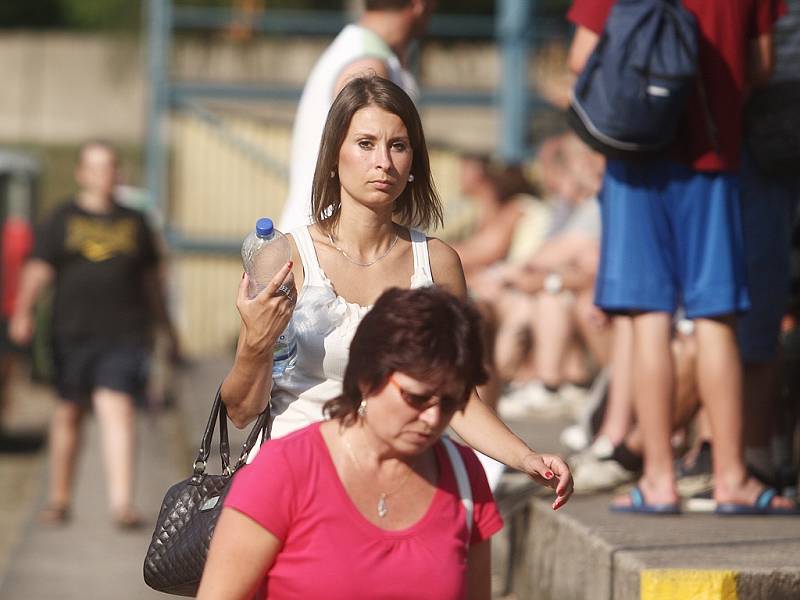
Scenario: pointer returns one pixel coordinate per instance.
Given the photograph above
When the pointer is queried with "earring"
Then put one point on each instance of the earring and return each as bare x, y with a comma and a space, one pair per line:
410, 178
362, 409
333, 173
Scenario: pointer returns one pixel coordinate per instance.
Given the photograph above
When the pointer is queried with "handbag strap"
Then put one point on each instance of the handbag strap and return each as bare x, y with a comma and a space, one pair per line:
220, 413
462, 479
260, 432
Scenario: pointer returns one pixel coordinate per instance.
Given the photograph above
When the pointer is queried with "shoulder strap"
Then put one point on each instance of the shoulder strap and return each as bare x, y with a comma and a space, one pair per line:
308, 254
462, 479
422, 262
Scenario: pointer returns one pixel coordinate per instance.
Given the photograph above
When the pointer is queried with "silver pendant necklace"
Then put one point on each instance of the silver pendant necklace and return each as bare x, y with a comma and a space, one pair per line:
383, 508
366, 264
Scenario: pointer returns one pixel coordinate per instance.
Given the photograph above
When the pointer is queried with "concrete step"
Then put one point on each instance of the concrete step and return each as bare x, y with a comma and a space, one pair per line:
89, 557
586, 552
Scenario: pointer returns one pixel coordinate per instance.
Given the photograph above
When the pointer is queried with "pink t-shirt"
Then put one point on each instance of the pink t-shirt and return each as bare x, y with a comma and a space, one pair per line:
331, 551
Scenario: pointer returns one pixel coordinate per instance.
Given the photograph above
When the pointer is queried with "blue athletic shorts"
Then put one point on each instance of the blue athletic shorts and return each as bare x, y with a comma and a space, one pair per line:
671, 236
768, 207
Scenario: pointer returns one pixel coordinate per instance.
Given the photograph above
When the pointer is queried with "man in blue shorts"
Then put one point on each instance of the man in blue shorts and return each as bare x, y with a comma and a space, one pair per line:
672, 237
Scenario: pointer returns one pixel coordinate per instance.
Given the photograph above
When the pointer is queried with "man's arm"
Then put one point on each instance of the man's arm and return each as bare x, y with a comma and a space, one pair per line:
761, 61
583, 44
154, 278
36, 276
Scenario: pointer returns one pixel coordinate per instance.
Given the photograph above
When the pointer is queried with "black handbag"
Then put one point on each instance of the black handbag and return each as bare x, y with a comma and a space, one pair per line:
177, 553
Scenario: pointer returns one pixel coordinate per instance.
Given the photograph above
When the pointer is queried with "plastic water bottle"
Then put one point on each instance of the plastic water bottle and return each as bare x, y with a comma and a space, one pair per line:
264, 251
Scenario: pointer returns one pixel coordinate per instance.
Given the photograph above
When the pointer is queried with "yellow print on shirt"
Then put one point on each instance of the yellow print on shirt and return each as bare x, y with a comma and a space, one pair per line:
98, 241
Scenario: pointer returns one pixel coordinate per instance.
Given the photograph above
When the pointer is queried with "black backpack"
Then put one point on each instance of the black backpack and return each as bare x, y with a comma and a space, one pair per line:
629, 98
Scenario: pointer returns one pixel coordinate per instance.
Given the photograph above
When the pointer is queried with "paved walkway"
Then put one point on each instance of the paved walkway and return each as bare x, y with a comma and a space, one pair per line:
88, 558
580, 552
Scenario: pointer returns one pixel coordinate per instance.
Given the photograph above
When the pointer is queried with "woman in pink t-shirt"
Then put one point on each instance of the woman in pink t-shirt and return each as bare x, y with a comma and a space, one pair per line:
367, 504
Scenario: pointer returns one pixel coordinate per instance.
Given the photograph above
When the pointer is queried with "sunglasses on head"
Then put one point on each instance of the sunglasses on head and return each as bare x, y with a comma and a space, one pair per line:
425, 401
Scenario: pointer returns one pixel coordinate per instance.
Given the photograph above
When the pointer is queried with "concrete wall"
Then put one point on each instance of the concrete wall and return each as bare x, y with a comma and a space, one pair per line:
64, 87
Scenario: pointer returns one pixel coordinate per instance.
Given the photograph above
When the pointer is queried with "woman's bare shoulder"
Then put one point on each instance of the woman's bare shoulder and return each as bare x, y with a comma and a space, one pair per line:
446, 266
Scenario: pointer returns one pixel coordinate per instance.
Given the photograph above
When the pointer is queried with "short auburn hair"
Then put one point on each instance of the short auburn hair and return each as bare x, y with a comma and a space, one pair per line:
427, 333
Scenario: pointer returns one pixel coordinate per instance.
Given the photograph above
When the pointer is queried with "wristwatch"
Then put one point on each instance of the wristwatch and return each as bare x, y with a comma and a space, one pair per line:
553, 283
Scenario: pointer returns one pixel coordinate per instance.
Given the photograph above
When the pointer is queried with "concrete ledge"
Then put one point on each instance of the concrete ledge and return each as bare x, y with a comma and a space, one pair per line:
586, 552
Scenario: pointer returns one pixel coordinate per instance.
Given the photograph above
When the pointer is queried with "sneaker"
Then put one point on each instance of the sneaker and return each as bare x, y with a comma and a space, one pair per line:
701, 502
532, 399
594, 469
600, 449
600, 475
575, 437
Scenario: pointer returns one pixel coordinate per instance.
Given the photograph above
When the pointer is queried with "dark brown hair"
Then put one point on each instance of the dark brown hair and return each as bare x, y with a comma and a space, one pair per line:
426, 333
418, 205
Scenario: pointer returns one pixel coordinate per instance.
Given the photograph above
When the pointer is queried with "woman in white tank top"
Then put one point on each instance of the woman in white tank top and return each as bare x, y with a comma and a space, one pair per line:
372, 187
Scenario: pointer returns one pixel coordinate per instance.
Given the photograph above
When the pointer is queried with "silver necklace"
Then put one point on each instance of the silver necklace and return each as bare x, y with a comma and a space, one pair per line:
366, 264
383, 509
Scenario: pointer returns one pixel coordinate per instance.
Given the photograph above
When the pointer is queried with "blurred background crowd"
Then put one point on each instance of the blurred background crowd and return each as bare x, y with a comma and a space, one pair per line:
198, 98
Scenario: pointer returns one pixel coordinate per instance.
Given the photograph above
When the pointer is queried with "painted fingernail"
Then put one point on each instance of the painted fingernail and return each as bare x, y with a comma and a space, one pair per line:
291, 264
548, 474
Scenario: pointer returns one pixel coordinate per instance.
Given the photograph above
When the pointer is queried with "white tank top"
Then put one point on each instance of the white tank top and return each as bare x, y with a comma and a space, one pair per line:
353, 43
325, 324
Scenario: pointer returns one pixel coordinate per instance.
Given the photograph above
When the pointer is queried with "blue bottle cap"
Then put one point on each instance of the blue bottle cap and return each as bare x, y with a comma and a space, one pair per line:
264, 227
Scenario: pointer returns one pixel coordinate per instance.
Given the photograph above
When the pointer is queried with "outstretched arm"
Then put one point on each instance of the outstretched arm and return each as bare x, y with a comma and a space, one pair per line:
478, 425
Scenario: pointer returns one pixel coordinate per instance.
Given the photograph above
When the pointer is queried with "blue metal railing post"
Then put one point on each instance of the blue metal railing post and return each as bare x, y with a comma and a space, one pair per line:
158, 60
513, 23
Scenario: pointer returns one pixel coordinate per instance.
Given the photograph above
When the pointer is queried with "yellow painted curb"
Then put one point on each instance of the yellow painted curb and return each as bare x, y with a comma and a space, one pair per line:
687, 584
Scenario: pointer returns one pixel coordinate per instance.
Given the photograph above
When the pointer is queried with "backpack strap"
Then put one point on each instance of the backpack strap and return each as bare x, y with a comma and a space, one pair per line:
462, 479
711, 128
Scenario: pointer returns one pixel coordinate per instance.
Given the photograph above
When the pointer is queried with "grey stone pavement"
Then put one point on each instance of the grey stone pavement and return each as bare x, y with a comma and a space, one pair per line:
583, 551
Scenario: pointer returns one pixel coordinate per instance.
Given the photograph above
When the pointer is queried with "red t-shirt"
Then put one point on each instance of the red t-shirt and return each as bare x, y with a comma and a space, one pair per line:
331, 551
726, 29
17, 241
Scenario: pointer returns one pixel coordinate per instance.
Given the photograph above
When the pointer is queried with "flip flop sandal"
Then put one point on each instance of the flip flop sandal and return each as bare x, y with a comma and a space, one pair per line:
762, 506
638, 505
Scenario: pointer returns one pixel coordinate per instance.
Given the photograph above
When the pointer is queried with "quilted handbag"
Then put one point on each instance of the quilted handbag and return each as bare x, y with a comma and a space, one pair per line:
177, 553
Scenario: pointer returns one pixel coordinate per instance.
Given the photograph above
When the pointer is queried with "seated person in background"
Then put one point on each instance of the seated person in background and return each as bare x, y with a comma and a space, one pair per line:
547, 297
373, 494
502, 197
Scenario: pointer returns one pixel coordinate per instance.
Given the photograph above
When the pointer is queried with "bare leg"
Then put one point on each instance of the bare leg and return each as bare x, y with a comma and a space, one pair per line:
687, 395
553, 327
65, 441
720, 379
575, 364
596, 334
619, 410
653, 381
117, 419
513, 310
